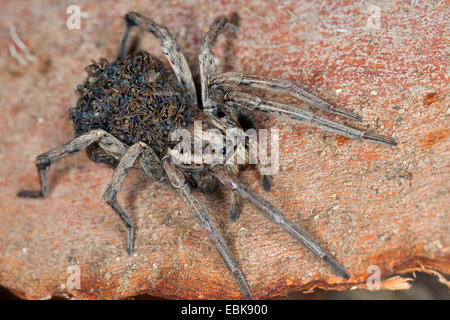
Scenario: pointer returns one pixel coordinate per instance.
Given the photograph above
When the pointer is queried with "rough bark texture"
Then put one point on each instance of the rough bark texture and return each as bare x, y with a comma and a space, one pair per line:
365, 203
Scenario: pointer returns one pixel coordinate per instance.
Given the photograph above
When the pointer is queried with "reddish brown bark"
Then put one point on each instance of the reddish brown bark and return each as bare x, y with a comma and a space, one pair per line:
367, 204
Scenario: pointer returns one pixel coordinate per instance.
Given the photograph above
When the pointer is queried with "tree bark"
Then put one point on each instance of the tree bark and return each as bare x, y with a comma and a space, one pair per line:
373, 207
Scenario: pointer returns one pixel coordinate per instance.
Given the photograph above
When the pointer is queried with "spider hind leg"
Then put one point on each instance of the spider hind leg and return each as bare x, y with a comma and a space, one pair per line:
113, 147
203, 218
274, 215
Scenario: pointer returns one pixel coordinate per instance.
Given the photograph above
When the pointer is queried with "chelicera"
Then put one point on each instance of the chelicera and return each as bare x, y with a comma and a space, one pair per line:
128, 108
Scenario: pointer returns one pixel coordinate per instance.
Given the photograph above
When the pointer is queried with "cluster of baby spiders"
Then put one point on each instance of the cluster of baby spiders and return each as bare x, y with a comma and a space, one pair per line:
128, 108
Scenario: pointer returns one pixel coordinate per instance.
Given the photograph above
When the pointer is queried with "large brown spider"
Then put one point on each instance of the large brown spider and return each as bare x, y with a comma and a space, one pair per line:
128, 108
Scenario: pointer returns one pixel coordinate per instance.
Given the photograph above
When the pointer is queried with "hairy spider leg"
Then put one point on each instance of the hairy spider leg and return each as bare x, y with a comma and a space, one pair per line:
110, 195
236, 205
203, 218
207, 71
206, 61
251, 102
283, 87
105, 140
112, 146
169, 47
274, 215
210, 104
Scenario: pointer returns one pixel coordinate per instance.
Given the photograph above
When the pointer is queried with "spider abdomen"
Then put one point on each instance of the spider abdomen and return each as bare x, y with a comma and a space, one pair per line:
135, 99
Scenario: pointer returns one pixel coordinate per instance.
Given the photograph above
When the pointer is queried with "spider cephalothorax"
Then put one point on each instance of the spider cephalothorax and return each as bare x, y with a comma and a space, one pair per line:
128, 109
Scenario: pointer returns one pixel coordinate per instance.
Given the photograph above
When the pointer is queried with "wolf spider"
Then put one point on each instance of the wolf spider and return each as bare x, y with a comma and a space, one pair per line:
128, 108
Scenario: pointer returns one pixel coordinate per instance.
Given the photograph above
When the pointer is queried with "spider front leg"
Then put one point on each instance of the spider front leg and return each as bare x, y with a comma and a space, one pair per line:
280, 86
206, 60
274, 215
251, 102
203, 218
207, 72
169, 47
106, 141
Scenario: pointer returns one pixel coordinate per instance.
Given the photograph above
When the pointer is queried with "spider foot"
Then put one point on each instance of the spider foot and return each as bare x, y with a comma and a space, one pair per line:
378, 139
336, 267
267, 183
235, 212
130, 240
30, 194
